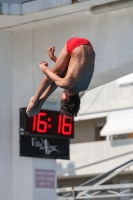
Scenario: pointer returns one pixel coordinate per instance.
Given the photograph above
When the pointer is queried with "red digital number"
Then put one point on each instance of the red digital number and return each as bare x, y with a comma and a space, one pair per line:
34, 123
64, 127
38, 124
59, 124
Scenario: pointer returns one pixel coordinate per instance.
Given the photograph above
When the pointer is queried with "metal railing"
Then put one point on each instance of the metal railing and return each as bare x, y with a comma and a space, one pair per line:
95, 190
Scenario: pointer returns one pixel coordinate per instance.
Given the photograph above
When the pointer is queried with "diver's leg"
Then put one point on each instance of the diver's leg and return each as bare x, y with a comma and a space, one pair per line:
52, 87
59, 67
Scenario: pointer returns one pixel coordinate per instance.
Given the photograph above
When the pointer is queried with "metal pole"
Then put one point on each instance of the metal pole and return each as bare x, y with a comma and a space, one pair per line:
104, 175
115, 173
73, 194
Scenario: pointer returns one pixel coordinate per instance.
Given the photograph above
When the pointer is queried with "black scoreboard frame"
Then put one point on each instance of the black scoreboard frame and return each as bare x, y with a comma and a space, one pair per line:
47, 145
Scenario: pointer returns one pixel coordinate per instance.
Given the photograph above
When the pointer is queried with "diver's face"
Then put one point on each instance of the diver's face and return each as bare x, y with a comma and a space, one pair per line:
64, 95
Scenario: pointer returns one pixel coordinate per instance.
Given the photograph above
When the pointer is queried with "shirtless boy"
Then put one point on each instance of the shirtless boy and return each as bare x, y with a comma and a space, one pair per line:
72, 71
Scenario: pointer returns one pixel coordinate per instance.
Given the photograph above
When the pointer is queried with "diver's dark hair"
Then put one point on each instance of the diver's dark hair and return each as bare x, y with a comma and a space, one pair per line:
70, 106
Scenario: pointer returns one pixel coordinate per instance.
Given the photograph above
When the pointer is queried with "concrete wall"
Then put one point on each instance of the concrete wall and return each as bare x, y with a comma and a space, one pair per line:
95, 158
5, 115
111, 96
21, 57
110, 34
16, 87
25, 72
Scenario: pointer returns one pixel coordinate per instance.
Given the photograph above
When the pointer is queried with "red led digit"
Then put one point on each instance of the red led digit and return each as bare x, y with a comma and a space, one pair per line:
34, 124
59, 124
41, 122
49, 119
66, 127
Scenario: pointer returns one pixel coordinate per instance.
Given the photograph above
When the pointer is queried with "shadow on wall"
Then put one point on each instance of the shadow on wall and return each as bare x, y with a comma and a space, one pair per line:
69, 167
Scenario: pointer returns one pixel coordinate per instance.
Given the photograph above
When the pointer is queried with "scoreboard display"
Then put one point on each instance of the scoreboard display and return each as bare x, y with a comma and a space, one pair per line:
47, 123
46, 135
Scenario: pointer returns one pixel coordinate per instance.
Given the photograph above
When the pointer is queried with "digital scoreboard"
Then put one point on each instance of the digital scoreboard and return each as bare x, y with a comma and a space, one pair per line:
47, 123
46, 135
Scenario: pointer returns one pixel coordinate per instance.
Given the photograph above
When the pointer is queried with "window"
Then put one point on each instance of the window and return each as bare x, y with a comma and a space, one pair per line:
123, 136
97, 133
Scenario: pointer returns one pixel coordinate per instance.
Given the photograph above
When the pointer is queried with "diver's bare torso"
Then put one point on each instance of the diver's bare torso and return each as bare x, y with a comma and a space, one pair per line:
80, 69
74, 78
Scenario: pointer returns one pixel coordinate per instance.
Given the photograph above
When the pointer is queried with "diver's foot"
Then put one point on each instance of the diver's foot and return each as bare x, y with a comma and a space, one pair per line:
31, 107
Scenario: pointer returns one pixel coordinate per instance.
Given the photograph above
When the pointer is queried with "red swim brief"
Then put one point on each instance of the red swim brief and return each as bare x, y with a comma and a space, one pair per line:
75, 42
